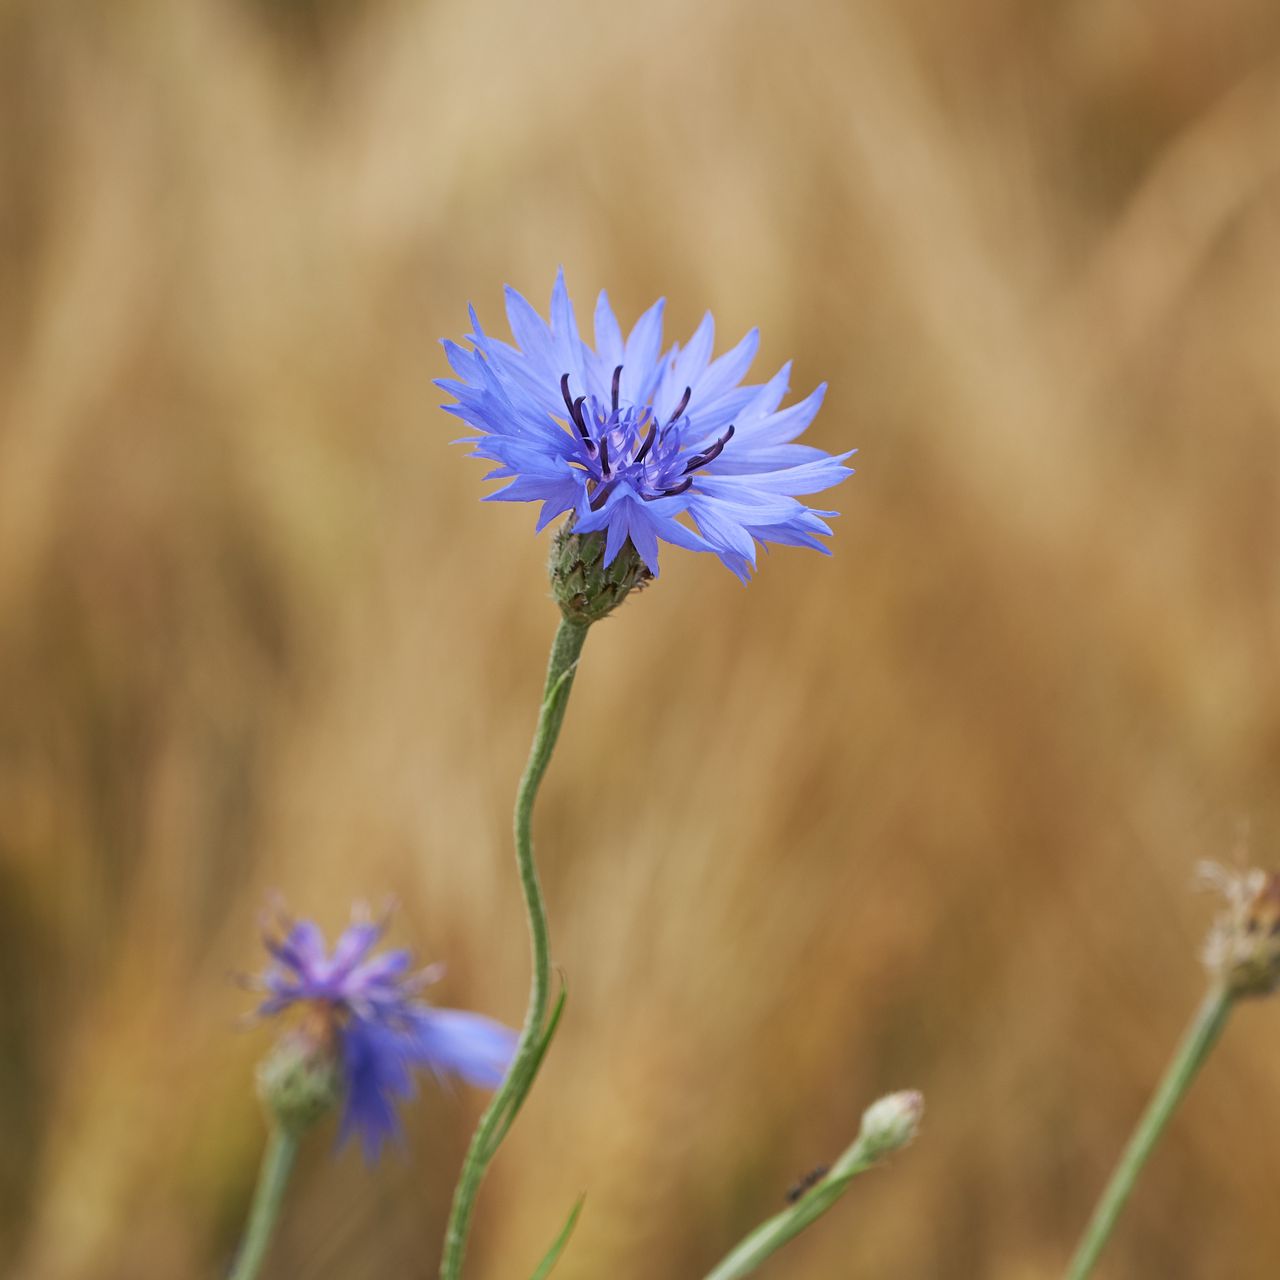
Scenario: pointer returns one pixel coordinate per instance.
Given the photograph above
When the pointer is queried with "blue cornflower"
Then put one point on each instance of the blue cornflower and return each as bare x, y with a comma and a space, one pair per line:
642, 444
364, 1010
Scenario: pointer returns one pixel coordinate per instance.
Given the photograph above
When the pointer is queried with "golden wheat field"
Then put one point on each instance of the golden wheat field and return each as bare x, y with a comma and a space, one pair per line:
923, 814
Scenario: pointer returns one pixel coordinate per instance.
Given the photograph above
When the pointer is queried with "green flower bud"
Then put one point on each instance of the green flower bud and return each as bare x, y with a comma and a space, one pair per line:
891, 1122
583, 586
300, 1080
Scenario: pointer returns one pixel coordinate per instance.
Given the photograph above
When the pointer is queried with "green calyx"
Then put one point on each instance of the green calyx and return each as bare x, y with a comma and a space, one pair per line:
584, 587
300, 1080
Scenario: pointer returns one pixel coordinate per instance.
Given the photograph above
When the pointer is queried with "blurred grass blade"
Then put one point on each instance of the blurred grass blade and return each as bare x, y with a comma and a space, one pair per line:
548, 1263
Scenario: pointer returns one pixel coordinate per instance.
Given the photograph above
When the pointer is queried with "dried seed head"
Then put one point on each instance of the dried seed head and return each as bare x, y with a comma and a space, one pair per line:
1243, 948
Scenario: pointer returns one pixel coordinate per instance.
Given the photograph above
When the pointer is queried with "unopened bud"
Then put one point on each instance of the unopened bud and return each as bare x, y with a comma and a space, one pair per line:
584, 586
890, 1123
1243, 947
300, 1080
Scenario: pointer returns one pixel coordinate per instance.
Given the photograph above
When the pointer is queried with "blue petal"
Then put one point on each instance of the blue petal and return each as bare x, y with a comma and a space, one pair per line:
454, 1042
669, 529
779, 428
720, 529
355, 942
644, 538
564, 333
302, 950
640, 357
528, 329
692, 361
379, 970
807, 478
609, 345
619, 528
557, 503
751, 460
767, 399
724, 373
793, 534
376, 1076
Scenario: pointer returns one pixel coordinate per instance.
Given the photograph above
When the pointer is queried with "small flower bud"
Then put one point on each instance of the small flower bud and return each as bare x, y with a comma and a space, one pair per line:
891, 1122
300, 1080
1243, 947
584, 586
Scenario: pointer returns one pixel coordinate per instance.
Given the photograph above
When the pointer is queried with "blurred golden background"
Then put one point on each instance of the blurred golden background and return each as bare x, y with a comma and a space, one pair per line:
924, 814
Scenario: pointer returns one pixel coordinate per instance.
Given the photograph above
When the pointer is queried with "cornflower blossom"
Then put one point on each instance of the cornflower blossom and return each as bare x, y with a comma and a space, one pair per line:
643, 444
362, 1010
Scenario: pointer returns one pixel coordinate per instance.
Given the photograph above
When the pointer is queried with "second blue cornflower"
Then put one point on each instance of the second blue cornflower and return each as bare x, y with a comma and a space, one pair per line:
364, 1023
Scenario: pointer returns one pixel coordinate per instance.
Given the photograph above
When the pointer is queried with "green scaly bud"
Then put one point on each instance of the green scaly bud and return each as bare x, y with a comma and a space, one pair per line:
300, 1080
583, 586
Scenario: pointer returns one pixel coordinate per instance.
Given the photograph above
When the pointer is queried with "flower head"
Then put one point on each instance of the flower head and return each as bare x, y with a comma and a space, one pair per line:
642, 444
1243, 948
363, 1013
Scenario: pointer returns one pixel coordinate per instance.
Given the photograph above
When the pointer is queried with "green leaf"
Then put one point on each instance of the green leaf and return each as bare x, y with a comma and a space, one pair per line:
552, 1255
531, 1068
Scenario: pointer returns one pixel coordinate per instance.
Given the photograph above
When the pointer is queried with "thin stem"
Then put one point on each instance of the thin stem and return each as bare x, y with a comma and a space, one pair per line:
772, 1234
561, 669
273, 1177
1196, 1046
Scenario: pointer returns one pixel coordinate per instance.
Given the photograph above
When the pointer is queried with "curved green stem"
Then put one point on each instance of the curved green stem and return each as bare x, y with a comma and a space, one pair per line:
273, 1177
1196, 1046
561, 669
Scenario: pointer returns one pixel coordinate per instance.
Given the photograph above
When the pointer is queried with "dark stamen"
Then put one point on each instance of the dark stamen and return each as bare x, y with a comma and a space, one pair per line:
574, 407
682, 406
648, 444
604, 454
709, 455
617, 385
686, 483
602, 493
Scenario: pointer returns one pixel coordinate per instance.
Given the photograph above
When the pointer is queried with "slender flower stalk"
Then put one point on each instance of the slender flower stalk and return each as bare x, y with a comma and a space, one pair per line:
561, 669
1242, 955
273, 1177
1195, 1048
887, 1125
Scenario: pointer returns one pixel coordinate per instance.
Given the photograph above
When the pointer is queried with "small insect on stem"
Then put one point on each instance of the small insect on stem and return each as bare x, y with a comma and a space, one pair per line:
810, 1179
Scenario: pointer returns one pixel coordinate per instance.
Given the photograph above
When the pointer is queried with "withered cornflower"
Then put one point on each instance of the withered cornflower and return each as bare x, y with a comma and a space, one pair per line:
643, 444
364, 1011
1242, 950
